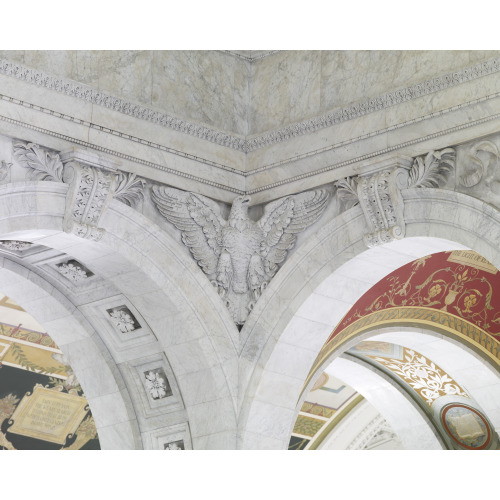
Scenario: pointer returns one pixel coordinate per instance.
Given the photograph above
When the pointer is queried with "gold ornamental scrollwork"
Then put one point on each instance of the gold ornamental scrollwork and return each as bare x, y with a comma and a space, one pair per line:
442, 320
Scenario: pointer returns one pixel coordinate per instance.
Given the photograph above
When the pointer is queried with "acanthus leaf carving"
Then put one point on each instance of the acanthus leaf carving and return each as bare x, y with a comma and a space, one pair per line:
347, 192
91, 187
130, 189
239, 256
4, 170
433, 170
41, 164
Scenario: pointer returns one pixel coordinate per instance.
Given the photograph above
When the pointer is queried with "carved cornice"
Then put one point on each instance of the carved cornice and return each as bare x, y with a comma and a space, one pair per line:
374, 154
101, 98
229, 188
375, 104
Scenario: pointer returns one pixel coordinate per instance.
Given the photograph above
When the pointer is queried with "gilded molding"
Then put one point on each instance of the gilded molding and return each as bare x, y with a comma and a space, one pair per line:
389, 99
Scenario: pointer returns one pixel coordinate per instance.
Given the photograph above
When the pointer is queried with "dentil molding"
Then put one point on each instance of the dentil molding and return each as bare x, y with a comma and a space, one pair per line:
246, 145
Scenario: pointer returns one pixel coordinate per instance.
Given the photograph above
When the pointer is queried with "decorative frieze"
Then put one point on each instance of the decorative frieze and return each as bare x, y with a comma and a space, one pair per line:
239, 256
386, 100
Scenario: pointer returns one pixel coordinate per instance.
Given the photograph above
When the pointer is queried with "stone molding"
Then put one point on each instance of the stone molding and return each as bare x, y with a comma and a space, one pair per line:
91, 188
374, 154
246, 145
268, 167
378, 191
134, 159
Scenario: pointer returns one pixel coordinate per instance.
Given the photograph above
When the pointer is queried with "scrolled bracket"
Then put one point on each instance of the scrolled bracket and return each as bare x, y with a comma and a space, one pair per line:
89, 195
379, 195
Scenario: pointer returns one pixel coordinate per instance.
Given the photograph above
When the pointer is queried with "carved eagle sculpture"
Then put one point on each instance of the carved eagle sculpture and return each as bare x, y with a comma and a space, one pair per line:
239, 255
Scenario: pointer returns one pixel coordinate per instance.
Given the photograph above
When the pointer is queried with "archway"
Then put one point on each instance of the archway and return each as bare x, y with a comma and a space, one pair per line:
184, 330
321, 282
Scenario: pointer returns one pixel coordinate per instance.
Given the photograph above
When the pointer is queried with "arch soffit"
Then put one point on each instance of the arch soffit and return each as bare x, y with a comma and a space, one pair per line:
326, 276
98, 374
145, 263
479, 378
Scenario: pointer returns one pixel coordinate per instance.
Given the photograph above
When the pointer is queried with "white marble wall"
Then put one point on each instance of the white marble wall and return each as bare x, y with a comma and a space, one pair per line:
140, 266
208, 87
313, 293
408, 421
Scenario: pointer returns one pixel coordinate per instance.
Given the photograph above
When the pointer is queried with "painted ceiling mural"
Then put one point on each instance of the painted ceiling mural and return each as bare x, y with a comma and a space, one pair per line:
42, 405
458, 292
326, 404
450, 410
453, 413
427, 379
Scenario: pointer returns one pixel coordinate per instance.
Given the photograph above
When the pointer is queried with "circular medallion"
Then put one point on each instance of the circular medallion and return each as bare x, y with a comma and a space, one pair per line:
466, 426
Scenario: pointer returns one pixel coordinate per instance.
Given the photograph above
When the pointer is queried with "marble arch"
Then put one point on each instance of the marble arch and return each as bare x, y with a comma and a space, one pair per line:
423, 137
140, 264
339, 271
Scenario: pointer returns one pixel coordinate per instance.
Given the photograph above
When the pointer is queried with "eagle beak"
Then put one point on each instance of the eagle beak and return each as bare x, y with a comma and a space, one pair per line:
246, 200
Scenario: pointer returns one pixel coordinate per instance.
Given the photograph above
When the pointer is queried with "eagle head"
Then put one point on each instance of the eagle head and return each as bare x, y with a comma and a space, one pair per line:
239, 209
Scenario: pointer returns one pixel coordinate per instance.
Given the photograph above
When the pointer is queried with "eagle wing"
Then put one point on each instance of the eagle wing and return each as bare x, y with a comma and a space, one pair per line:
199, 220
283, 219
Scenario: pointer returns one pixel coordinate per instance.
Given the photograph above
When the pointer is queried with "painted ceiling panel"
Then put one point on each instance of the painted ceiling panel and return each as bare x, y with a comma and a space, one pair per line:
42, 405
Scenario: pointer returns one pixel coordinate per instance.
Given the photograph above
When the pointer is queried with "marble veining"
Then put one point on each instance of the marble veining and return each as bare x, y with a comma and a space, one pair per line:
103, 98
